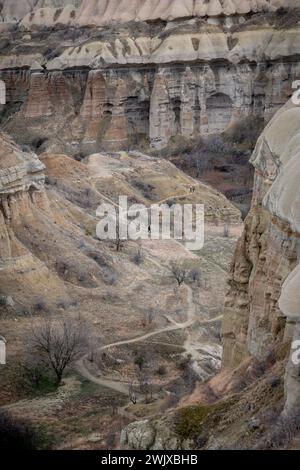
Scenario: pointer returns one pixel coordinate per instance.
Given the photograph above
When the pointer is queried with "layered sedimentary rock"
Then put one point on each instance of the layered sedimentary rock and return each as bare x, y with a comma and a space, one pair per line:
129, 89
22, 276
262, 316
101, 12
127, 84
105, 11
16, 10
262, 308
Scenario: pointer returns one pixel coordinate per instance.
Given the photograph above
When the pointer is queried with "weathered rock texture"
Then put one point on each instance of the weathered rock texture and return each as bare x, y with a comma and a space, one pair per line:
101, 12
262, 315
130, 88
16, 10
22, 198
262, 308
104, 11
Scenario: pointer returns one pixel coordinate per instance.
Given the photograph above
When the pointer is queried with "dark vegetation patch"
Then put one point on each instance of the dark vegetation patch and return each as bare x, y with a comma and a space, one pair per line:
16, 434
221, 160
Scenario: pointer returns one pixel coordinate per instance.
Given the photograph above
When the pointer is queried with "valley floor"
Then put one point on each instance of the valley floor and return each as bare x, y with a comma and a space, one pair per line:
134, 309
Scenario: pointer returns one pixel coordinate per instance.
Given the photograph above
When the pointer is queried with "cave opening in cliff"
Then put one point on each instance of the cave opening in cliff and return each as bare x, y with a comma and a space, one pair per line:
176, 109
219, 112
196, 116
138, 115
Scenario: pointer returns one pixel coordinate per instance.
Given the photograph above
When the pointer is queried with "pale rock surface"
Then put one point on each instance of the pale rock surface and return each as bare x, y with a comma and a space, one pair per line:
152, 435
252, 45
16, 10
262, 307
48, 17
100, 12
20, 61
22, 276
19, 171
105, 11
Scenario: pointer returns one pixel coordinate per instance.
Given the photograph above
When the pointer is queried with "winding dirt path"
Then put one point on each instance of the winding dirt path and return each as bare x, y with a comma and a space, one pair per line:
122, 386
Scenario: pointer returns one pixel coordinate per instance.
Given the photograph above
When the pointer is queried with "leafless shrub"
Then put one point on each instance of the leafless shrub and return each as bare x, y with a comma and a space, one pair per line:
98, 258
195, 276
149, 316
138, 257
109, 277
146, 189
118, 242
110, 297
214, 144
40, 306
132, 394
59, 343
63, 304
179, 273
145, 385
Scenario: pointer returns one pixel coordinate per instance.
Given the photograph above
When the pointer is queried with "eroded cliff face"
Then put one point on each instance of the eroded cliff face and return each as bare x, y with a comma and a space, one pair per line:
22, 202
262, 307
144, 85
100, 12
16, 10
261, 319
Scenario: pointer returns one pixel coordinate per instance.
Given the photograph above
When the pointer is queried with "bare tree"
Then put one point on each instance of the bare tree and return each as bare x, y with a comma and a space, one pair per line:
145, 386
149, 316
143, 377
138, 257
59, 343
132, 394
118, 242
179, 273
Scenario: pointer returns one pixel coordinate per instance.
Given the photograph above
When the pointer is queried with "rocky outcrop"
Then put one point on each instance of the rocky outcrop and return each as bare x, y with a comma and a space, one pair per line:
22, 276
261, 317
16, 10
143, 83
19, 171
206, 45
262, 308
113, 109
153, 435
105, 11
101, 12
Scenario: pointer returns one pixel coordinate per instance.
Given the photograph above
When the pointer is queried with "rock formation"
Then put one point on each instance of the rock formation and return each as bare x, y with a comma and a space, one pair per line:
105, 11
22, 197
101, 12
16, 10
262, 308
134, 87
261, 318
